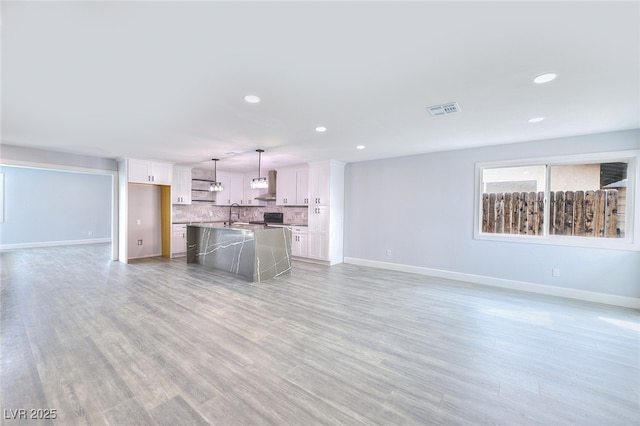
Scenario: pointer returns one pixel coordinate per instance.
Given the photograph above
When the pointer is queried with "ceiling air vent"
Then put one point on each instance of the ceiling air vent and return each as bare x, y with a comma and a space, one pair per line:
444, 109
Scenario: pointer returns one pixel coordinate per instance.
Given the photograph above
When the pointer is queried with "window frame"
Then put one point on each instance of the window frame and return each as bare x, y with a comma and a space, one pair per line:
631, 240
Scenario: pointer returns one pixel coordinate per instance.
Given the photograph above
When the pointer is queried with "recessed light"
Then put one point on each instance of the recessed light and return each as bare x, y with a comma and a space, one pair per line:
545, 78
536, 119
252, 99
360, 147
321, 129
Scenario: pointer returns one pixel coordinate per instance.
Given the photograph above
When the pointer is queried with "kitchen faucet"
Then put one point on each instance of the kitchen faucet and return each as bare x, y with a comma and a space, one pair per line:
230, 207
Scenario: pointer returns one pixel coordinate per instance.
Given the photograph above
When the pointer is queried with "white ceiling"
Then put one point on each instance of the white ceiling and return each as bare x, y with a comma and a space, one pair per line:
166, 80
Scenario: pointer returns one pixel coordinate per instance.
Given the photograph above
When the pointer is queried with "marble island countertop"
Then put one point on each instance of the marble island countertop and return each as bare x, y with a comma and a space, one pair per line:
256, 252
237, 224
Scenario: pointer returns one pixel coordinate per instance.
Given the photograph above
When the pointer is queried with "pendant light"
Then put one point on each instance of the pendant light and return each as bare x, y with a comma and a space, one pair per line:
215, 186
259, 182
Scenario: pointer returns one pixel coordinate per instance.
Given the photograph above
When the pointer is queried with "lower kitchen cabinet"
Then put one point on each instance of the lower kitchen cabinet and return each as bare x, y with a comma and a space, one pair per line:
178, 240
318, 246
318, 234
299, 241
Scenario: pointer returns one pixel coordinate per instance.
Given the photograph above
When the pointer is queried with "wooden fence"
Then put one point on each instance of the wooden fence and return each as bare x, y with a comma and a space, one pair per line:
581, 213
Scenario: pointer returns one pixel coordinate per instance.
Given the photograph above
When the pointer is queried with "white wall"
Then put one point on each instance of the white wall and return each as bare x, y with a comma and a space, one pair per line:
422, 209
43, 207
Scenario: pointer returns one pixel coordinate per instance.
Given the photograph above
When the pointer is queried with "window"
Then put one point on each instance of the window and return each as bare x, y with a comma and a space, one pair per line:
584, 200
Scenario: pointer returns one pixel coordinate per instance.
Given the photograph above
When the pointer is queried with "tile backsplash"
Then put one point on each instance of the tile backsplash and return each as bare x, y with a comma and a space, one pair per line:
207, 212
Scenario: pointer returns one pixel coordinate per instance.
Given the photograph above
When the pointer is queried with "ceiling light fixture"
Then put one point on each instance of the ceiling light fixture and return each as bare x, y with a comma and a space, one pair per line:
215, 186
545, 78
259, 182
360, 147
252, 99
321, 129
536, 119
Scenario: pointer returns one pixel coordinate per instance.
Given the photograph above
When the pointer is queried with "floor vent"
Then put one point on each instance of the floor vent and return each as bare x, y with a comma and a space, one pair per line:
444, 109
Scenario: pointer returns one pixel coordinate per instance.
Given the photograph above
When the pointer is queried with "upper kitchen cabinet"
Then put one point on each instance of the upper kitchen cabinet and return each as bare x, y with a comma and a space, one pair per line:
181, 186
152, 172
320, 183
232, 191
293, 187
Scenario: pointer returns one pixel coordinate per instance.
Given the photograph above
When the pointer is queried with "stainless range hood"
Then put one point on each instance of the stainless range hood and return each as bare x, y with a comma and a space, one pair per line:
270, 195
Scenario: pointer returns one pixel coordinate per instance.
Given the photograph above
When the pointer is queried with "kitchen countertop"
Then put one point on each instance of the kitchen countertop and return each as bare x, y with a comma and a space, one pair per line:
197, 223
241, 226
275, 225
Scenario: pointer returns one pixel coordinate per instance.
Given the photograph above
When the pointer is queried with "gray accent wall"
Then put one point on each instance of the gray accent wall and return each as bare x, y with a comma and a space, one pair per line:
422, 209
51, 206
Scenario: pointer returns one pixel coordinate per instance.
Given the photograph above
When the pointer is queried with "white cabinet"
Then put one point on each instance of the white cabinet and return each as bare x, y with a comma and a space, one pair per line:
318, 232
292, 187
250, 194
319, 184
178, 239
181, 186
326, 207
299, 241
232, 189
144, 171
285, 187
302, 179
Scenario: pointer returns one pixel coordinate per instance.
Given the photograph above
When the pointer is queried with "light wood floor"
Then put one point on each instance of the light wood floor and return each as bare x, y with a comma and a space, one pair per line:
161, 342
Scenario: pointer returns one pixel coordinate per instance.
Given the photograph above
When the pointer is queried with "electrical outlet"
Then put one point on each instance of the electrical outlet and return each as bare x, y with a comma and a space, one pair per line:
139, 242
555, 272
90, 233
388, 252
139, 221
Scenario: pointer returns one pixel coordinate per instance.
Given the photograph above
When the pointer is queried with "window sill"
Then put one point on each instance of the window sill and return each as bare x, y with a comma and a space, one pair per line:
558, 240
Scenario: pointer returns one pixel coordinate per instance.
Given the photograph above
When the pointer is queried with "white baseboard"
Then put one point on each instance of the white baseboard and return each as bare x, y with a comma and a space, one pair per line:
570, 293
146, 256
53, 243
310, 260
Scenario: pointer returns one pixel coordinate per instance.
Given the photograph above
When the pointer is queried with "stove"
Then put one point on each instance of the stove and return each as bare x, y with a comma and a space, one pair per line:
270, 218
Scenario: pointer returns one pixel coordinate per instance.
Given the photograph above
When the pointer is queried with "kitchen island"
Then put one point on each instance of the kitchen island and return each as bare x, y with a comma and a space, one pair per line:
255, 252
